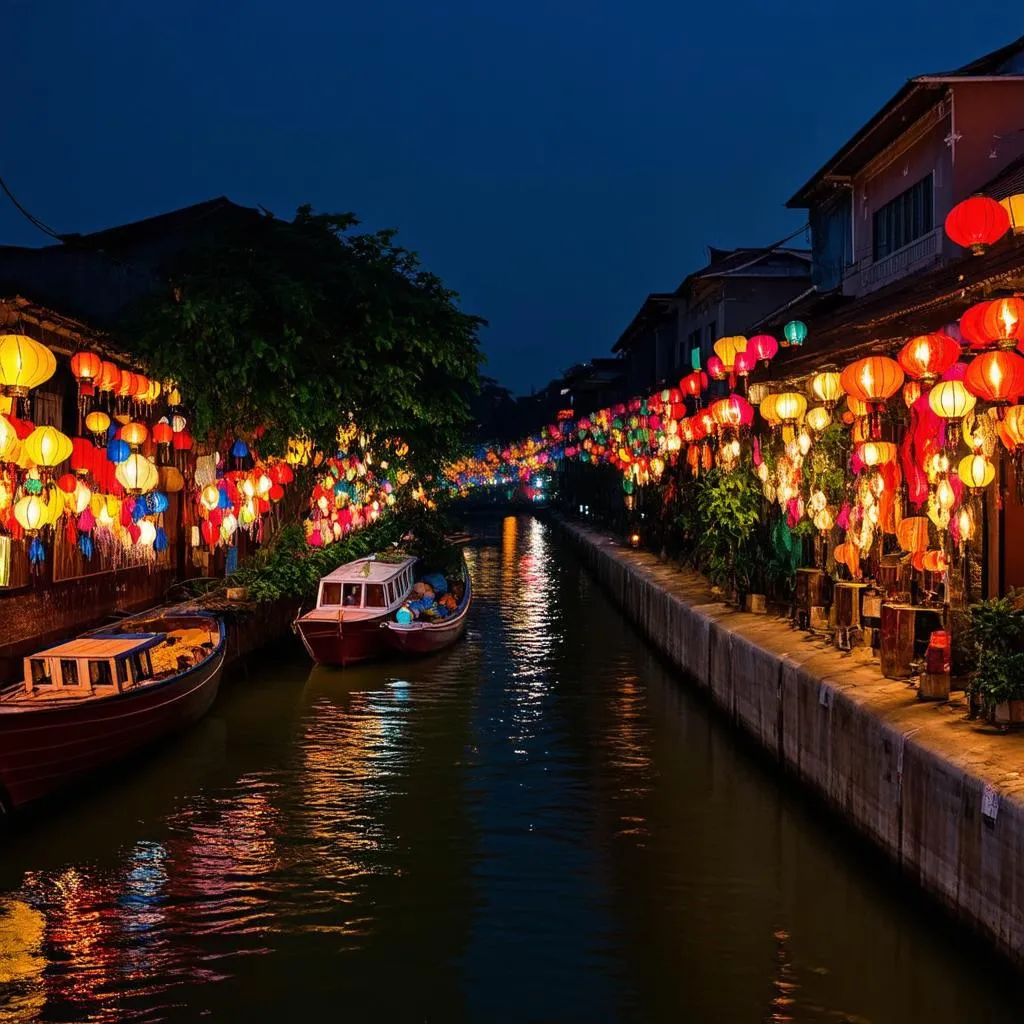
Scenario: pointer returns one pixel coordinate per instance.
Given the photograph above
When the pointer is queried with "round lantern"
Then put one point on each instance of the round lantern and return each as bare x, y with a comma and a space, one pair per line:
911, 393
951, 400
163, 433
912, 533
733, 411
1014, 207
794, 333
872, 380
170, 480
928, 356
47, 446
109, 376
972, 326
934, 561
97, 424
790, 406
147, 533
826, 388
173, 396
210, 497
768, 411
182, 441
1013, 427
745, 363
85, 367
67, 483
1003, 321
824, 521
977, 223
996, 377
877, 453
24, 364
137, 474
135, 434
716, 368
818, 419
976, 472
727, 349
30, 512
118, 450
764, 347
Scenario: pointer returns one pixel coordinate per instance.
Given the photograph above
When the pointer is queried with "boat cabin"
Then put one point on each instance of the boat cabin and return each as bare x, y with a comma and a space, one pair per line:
366, 588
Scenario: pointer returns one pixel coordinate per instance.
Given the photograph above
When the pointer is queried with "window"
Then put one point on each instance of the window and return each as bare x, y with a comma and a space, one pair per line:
375, 595
142, 668
100, 674
353, 595
903, 220
69, 671
122, 671
40, 671
710, 335
330, 593
390, 589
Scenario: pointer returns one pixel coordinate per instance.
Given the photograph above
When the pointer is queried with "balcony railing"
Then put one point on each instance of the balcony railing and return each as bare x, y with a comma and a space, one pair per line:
869, 276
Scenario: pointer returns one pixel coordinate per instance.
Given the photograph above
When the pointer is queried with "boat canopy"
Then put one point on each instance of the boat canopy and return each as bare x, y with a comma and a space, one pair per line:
113, 645
367, 570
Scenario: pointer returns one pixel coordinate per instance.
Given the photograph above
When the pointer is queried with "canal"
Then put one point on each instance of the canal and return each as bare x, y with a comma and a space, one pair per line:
540, 825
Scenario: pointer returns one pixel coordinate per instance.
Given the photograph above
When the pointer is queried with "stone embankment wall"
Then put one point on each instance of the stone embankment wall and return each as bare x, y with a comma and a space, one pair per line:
942, 796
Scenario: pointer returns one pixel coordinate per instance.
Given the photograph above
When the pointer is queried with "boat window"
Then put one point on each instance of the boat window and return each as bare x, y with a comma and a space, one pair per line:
375, 595
122, 671
330, 594
40, 671
69, 671
391, 592
353, 593
100, 674
141, 666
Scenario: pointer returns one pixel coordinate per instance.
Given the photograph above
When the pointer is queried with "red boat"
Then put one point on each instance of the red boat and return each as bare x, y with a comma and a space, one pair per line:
91, 701
352, 604
425, 636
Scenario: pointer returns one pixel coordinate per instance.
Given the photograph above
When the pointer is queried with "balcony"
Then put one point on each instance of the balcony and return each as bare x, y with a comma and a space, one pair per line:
867, 276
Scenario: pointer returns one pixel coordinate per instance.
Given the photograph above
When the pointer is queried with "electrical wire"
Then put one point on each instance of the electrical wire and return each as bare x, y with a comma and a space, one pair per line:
33, 220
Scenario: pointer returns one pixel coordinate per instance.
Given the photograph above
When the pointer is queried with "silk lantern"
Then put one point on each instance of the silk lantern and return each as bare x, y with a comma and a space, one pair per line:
976, 223
24, 364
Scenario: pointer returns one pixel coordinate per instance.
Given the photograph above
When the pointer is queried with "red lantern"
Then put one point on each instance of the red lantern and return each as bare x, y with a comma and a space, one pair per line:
109, 377
163, 433
182, 441
745, 363
977, 223
928, 356
716, 368
694, 384
281, 473
764, 347
1003, 321
68, 482
996, 377
972, 326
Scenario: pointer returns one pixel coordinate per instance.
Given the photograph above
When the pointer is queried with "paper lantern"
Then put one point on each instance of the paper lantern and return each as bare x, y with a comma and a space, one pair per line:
147, 533
767, 409
140, 387
693, 384
67, 483
173, 396
912, 533
745, 363
764, 347
872, 380
727, 349
950, 400
163, 432
934, 561
1014, 207
85, 366
716, 368
30, 513
996, 377
877, 453
972, 326
97, 423
976, 472
47, 446
945, 496
794, 333
928, 356
170, 480
24, 364
1013, 427
790, 406
733, 411
281, 473
178, 423
126, 383
1003, 321
109, 376
135, 434
977, 223
118, 450
824, 521
826, 388
137, 474
210, 496
965, 523
912, 391
818, 419
182, 441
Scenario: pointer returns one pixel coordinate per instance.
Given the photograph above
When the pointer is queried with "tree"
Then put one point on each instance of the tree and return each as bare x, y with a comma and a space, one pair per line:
284, 329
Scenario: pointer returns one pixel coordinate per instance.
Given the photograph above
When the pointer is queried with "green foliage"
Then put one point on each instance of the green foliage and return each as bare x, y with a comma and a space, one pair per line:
728, 509
996, 638
827, 465
288, 326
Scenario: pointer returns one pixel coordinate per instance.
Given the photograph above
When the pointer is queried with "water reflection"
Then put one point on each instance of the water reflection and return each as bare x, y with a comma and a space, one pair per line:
538, 825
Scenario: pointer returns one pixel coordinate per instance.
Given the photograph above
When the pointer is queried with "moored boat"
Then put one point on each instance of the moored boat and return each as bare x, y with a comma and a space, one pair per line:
90, 701
427, 635
352, 603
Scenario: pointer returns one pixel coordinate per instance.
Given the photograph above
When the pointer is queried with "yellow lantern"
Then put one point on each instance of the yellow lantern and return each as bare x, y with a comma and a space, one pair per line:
30, 513
877, 453
1014, 206
976, 472
154, 391
47, 446
134, 434
136, 474
263, 485
228, 525
8, 437
951, 400
81, 498
966, 523
173, 396
727, 349
823, 520
818, 419
210, 497
826, 388
97, 423
24, 364
790, 406
768, 409
170, 479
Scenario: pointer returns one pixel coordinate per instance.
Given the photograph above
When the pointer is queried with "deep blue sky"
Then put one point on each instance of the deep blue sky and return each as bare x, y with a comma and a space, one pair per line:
553, 161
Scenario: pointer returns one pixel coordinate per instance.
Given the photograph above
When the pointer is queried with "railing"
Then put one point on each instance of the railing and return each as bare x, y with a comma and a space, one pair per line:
900, 263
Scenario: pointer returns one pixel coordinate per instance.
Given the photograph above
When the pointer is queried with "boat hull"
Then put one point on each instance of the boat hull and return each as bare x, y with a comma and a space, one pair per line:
50, 749
330, 642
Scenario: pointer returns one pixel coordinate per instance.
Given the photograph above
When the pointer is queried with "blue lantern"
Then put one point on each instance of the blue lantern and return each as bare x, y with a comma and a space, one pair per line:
239, 449
85, 545
139, 510
224, 501
160, 543
157, 502
118, 450
36, 551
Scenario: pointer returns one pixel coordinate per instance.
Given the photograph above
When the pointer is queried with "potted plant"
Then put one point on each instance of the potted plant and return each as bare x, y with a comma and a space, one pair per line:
996, 636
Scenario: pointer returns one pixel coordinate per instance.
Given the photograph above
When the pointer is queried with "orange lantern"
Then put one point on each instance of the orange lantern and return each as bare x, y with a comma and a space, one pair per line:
996, 377
140, 392
928, 356
934, 561
109, 376
911, 392
1003, 321
1012, 432
134, 434
85, 366
163, 432
827, 388
977, 223
872, 380
912, 533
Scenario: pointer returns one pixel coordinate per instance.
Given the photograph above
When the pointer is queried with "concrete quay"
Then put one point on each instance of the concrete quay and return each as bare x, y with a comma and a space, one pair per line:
941, 795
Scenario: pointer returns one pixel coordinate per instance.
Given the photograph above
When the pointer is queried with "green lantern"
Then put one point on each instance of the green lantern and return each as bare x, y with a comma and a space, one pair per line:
795, 332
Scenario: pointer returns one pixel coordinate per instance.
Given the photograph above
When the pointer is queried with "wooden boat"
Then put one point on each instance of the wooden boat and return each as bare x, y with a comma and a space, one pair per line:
88, 702
425, 636
352, 603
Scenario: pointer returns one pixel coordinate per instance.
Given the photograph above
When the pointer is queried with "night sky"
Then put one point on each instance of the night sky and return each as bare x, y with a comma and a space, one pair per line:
554, 162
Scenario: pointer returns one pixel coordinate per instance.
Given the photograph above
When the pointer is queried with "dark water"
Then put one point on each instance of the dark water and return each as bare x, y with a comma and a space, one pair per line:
541, 824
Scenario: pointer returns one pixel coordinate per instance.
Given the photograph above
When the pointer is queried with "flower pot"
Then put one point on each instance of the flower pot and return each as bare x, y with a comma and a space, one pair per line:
756, 603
